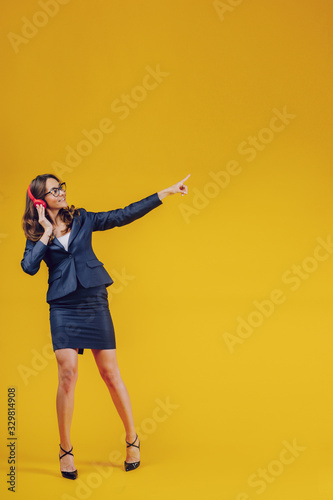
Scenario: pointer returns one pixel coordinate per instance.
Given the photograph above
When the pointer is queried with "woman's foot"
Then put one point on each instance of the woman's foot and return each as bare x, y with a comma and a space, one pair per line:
67, 462
132, 452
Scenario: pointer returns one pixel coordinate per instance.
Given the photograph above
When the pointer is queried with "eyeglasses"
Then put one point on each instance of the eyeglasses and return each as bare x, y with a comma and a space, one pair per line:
56, 191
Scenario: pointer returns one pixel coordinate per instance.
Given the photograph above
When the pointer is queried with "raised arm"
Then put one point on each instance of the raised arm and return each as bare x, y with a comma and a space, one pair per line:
121, 216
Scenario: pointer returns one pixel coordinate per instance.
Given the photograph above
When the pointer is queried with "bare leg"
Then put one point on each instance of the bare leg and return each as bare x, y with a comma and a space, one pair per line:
107, 364
67, 373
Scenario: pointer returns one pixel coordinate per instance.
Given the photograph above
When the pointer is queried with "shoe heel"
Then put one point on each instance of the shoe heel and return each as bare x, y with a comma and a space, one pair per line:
68, 474
132, 465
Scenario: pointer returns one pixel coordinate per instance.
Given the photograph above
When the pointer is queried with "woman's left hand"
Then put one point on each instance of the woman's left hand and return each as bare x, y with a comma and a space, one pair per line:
180, 186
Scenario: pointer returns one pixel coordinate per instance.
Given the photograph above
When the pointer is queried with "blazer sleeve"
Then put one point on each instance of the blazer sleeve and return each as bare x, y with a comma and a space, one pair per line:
121, 216
33, 255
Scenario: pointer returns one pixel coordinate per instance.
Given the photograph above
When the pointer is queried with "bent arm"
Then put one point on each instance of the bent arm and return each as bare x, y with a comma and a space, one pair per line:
123, 216
33, 255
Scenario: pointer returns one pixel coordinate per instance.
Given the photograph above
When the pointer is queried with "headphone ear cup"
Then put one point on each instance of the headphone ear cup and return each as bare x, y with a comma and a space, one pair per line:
34, 200
40, 202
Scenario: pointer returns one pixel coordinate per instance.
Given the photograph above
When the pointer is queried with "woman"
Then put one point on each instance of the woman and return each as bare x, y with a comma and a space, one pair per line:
78, 298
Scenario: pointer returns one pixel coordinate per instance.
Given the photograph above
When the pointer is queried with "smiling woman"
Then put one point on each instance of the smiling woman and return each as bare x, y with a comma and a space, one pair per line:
78, 298
58, 216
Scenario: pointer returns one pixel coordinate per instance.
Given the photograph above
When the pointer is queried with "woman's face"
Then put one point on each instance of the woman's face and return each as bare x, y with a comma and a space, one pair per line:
54, 202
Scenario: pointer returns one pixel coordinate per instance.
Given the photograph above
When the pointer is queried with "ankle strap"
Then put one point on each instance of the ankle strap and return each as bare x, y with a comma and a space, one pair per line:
66, 452
132, 444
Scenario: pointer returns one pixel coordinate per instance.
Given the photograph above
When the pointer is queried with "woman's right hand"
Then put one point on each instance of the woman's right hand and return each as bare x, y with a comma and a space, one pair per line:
43, 221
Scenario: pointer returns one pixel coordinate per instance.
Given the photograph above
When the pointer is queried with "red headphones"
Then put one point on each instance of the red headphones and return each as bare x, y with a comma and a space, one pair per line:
35, 201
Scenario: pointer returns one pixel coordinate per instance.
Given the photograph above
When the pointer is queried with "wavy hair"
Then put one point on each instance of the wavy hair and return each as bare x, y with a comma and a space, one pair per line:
31, 227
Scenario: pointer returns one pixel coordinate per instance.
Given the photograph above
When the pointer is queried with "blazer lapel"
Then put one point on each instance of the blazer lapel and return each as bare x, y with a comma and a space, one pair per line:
72, 234
56, 242
75, 229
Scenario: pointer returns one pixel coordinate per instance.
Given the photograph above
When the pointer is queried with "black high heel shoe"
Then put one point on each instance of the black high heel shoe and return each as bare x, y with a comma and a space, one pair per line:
132, 465
68, 474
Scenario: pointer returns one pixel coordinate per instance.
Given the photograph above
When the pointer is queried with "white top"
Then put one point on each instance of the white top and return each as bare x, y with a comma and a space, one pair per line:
64, 240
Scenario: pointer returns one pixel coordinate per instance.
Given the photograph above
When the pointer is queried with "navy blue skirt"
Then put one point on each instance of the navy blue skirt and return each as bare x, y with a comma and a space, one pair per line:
82, 320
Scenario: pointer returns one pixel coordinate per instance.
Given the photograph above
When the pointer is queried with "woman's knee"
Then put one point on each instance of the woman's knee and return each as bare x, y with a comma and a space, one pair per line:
67, 369
106, 360
111, 376
67, 377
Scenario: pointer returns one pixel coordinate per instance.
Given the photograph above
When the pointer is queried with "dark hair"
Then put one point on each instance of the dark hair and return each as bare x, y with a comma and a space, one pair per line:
31, 227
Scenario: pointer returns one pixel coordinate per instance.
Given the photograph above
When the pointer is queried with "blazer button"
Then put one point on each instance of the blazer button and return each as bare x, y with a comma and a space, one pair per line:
70, 255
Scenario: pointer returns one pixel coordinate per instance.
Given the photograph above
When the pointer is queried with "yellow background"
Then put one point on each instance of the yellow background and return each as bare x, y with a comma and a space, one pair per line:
192, 276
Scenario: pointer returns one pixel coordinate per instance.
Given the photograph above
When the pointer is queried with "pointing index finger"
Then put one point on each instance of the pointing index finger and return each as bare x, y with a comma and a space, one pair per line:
186, 178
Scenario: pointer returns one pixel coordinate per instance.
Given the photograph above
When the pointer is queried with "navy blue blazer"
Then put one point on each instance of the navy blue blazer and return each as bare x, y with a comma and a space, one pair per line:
80, 260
